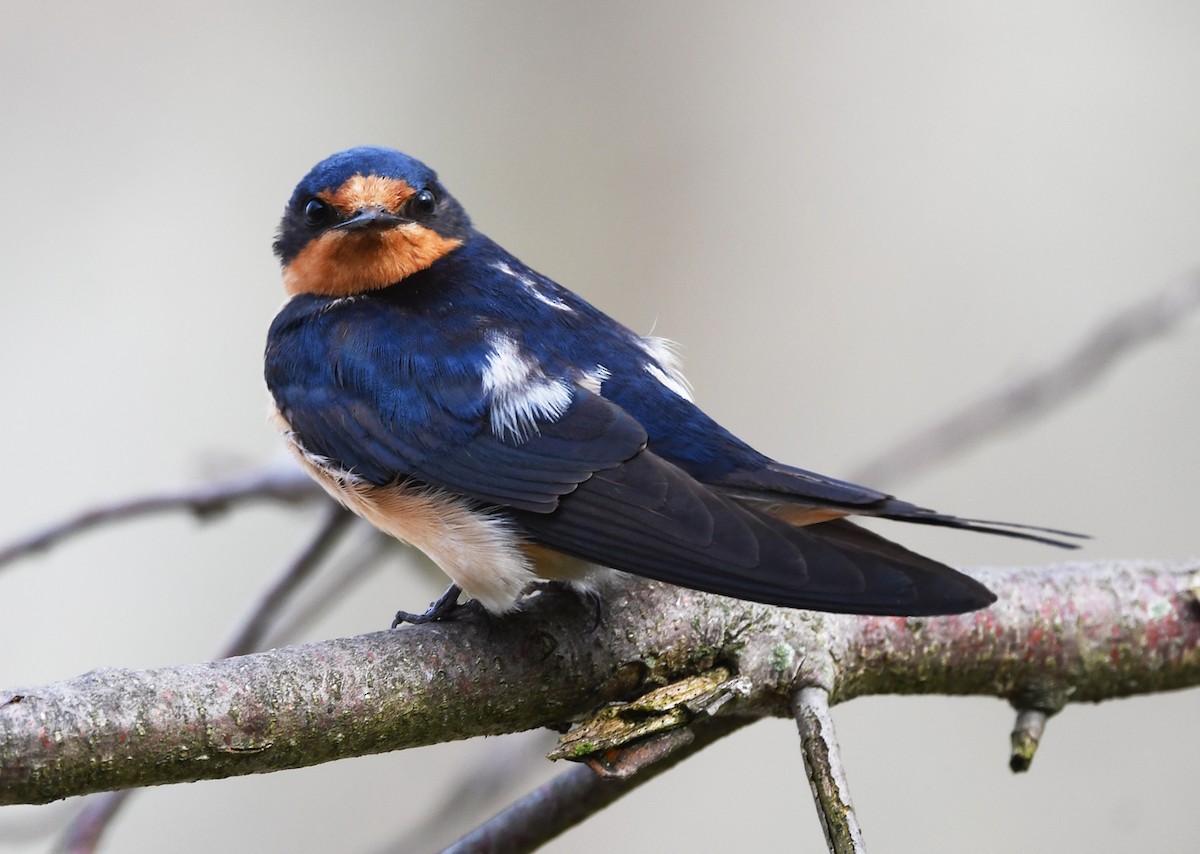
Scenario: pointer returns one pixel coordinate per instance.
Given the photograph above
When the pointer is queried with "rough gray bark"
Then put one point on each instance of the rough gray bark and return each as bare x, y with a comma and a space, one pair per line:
1069, 633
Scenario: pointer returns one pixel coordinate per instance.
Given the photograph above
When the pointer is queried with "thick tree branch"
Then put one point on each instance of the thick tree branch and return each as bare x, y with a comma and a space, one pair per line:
1075, 632
84, 832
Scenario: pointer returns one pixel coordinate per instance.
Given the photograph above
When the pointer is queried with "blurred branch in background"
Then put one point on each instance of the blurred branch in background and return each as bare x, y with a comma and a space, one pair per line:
473, 792
1037, 392
285, 483
573, 796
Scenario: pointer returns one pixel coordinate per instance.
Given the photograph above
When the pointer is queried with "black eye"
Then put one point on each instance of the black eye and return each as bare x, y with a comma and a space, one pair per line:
424, 202
316, 212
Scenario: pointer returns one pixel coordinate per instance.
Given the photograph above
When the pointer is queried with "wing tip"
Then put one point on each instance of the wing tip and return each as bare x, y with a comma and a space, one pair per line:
946, 597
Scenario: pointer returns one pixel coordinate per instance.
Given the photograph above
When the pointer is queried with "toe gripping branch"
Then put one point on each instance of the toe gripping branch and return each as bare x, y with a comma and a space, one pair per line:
446, 607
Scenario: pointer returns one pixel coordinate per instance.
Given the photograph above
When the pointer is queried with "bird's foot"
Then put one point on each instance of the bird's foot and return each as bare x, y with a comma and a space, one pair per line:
588, 596
445, 608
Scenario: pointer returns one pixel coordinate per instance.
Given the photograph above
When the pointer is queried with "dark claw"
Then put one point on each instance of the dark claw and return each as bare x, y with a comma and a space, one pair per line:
588, 597
445, 608
593, 598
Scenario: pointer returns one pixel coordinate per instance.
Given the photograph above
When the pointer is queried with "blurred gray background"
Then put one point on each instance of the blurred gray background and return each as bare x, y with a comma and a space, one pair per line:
855, 217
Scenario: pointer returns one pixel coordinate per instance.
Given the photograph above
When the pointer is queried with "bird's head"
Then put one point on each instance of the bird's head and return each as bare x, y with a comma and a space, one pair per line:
363, 219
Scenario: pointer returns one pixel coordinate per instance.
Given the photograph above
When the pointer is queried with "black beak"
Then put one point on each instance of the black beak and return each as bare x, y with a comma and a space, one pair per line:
373, 217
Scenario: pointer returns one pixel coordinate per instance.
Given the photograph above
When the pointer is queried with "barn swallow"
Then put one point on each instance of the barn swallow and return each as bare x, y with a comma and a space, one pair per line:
472, 407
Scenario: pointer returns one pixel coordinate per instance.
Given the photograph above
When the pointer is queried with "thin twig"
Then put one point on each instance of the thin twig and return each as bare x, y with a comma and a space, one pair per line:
508, 760
86, 828
1026, 735
1040, 390
826, 775
277, 484
332, 586
575, 795
250, 636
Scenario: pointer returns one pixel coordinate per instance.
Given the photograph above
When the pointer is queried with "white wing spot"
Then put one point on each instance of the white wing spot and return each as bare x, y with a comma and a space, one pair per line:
532, 285
593, 380
519, 393
664, 365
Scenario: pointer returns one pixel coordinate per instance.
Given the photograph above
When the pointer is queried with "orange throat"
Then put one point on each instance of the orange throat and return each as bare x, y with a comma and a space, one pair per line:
344, 263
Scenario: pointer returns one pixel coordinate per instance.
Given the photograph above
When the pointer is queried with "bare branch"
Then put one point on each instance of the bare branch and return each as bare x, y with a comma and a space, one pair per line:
328, 589
1026, 735
826, 775
1043, 389
1125, 628
251, 634
508, 761
83, 833
575, 795
285, 484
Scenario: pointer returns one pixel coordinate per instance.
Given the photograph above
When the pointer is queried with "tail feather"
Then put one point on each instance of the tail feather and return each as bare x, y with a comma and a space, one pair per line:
902, 511
787, 493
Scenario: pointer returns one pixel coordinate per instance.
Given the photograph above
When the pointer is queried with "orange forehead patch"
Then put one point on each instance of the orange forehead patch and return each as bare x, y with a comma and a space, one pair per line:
368, 191
344, 263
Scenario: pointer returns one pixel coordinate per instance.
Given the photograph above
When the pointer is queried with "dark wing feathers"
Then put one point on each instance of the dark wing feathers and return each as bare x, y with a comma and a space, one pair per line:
583, 483
533, 474
649, 517
591, 435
